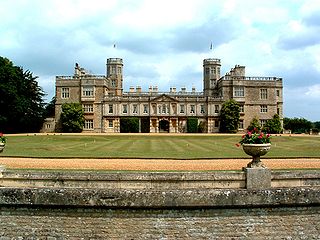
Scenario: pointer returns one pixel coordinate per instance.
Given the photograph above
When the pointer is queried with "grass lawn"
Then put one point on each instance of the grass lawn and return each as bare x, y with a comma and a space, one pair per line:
152, 146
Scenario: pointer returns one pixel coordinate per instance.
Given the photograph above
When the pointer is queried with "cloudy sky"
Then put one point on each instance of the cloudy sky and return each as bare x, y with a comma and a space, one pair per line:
163, 42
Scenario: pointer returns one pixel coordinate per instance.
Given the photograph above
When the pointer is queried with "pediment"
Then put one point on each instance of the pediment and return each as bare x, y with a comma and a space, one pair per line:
164, 98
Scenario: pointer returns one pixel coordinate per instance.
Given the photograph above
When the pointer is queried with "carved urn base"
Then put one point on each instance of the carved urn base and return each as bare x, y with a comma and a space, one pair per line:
256, 150
2, 145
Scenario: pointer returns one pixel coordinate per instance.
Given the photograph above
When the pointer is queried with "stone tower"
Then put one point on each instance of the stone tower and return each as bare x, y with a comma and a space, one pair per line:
115, 76
211, 74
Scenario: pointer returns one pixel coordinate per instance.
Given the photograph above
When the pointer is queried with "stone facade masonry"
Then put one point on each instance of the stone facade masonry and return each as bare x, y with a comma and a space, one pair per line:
105, 103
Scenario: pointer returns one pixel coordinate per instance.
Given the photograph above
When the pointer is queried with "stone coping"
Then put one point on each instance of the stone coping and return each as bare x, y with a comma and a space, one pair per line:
133, 198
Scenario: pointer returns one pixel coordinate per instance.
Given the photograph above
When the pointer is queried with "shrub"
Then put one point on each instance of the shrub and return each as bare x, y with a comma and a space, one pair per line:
192, 125
129, 125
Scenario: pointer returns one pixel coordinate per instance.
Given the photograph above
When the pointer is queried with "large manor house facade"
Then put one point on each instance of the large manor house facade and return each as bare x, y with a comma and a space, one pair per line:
105, 102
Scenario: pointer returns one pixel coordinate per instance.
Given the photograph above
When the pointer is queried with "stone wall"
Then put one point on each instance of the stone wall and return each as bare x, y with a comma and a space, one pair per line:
53, 213
92, 223
178, 205
154, 180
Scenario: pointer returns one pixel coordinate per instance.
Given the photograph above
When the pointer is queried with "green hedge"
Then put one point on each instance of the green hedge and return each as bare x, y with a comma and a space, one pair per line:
145, 125
129, 125
192, 125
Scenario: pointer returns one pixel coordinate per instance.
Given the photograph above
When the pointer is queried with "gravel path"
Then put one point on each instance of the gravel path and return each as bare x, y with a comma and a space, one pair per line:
154, 164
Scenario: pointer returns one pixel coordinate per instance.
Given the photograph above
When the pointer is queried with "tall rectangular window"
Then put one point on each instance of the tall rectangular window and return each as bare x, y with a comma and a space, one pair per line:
239, 91
65, 93
110, 108
87, 91
88, 124
241, 124
164, 108
88, 108
181, 108
192, 109
124, 108
113, 70
202, 109
110, 123
216, 108
263, 108
241, 107
135, 108
145, 108
278, 93
263, 93
113, 83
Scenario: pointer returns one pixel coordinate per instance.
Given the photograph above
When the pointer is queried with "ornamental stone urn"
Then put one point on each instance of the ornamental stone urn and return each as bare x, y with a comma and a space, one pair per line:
2, 145
256, 150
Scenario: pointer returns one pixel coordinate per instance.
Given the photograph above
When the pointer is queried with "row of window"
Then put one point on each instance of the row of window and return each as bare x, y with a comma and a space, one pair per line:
239, 92
88, 91
88, 124
88, 108
162, 109
212, 70
115, 70
264, 109
241, 123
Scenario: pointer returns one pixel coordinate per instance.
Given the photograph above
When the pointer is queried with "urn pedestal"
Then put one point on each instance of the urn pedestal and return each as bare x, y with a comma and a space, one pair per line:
257, 175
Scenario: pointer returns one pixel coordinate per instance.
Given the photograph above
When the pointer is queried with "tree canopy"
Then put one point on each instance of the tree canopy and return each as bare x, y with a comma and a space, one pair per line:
21, 99
273, 125
297, 125
229, 116
49, 109
72, 117
254, 124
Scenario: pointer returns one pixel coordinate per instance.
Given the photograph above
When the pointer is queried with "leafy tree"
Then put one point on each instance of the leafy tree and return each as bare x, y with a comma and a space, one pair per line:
192, 125
72, 117
129, 125
229, 116
21, 103
254, 124
49, 110
316, 125
273, 125
297, 125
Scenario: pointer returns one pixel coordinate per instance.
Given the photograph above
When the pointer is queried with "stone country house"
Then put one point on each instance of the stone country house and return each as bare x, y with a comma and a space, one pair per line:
104, 102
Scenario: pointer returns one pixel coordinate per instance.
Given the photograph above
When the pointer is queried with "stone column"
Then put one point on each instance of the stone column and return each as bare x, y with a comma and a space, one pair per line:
258, 178
2, 169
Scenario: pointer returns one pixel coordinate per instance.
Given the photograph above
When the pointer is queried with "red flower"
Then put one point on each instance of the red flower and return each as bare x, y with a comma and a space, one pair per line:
237, 144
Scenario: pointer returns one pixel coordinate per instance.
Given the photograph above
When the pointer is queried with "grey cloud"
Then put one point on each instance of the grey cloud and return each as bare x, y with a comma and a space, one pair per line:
299, 41
297, 104
306, 38
182, 39
299, 75
199, 38
313, 19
